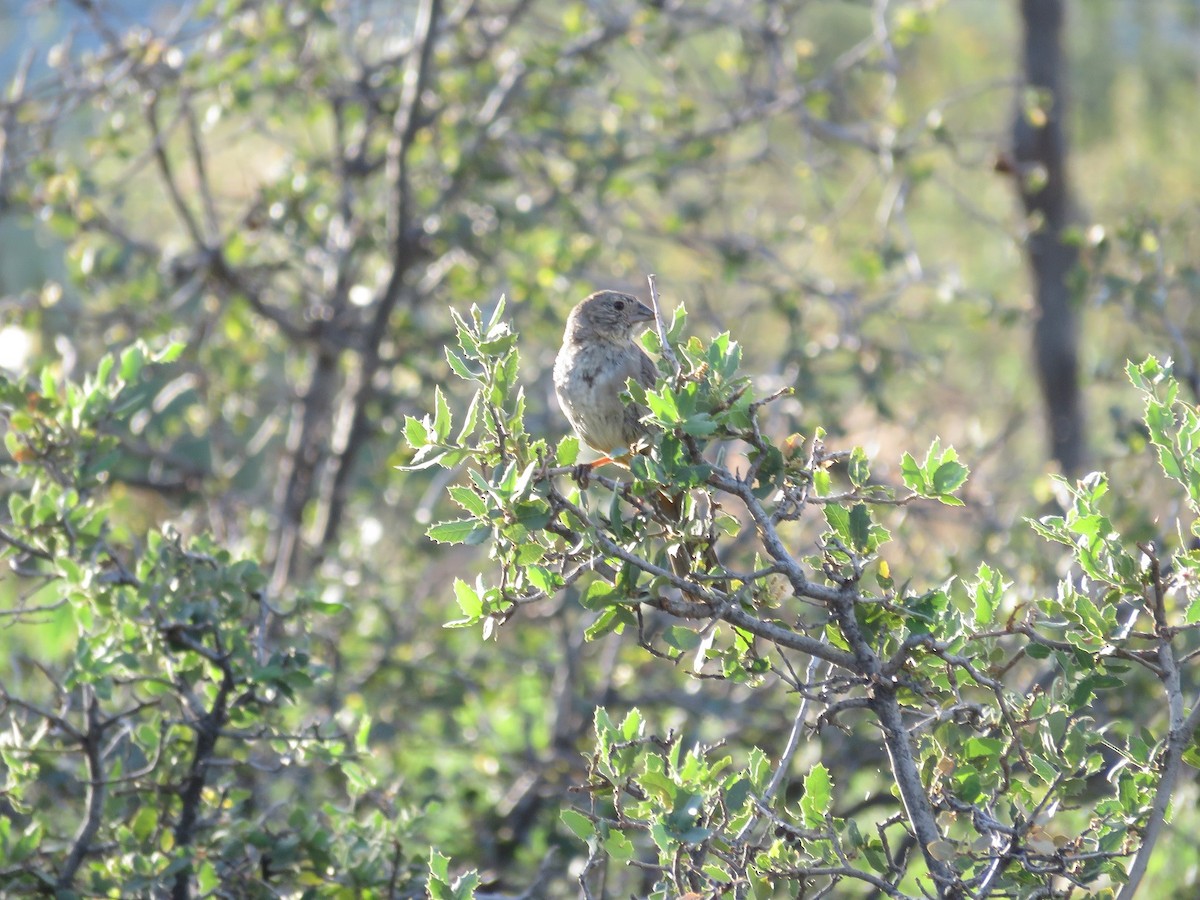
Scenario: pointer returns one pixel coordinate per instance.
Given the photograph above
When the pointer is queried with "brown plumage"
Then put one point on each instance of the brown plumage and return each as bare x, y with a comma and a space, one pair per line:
597, 359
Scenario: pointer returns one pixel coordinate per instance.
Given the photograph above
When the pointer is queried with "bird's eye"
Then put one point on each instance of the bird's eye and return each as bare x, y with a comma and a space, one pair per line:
620, 304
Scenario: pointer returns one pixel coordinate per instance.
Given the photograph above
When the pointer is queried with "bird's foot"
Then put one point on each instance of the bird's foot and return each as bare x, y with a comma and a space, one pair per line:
583, 474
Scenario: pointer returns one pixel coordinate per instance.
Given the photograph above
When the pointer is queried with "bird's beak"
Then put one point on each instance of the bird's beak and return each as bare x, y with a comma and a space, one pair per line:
643, 313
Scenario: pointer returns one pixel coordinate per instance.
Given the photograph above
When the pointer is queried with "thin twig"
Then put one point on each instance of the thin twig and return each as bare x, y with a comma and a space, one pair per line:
668, 352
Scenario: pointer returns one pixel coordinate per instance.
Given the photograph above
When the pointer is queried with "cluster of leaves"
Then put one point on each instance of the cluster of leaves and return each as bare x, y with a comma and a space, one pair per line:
695, 806
143, 696
991, 708
296, 190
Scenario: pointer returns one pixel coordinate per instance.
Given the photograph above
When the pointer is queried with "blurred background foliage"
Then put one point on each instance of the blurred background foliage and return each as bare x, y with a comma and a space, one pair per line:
299, 195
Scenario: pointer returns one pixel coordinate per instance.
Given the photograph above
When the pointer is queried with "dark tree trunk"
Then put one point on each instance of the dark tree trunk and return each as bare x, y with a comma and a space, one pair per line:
1040, 170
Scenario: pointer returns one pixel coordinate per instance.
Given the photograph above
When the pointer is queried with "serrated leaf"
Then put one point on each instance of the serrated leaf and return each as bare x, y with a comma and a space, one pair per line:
818, 795
914, 477
949, 476
469, 422
631, 725
859, 468
567, 451
663, 405
838, 518
439, 866
415, 433
441, 418
459, 365
458, 531
986, 592
860, 527
1192, 615
498, 312
469, 500
618, 847
468, 599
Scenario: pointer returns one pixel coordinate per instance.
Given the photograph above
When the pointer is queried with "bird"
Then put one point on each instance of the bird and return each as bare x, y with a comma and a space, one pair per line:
596, 361
597, 358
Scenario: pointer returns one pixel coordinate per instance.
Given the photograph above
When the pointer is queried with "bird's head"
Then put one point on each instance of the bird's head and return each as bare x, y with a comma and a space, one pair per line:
607, 315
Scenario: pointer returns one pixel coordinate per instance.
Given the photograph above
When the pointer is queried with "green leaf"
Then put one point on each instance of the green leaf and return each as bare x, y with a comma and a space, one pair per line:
49, 385
468, 599
441, 418
631, 725
663, 406
737, 795
949, 476
567, 451
1192, 615
860, 528
542, 579
859, 468
818, 796
986, 592
982, 748
104, 368
439, 866
459, 365
469, 500
362, 734
469, 421
914, 478
170, 353
498, 312
618, 847
681, 638
614, 618
132, 361
459, 531
838, 518
207, 879
599, 595
416, 433
579, 824
686, 811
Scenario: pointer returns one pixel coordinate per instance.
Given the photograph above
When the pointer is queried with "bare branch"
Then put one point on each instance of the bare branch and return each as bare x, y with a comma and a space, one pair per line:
91, 740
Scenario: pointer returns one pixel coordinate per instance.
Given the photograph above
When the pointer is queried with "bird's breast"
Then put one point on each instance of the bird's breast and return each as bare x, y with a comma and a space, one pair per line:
588, 380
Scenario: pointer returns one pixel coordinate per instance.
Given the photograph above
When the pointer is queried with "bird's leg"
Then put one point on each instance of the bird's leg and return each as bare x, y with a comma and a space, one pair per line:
621, 460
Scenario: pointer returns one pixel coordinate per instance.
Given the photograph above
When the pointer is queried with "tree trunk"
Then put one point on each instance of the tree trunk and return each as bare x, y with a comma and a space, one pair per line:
1040, 171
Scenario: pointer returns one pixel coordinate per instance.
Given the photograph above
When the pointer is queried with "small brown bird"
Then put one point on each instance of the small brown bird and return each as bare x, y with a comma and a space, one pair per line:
598, 356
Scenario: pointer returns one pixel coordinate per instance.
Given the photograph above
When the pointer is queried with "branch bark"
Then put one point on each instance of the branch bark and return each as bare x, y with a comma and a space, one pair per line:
208, 729
353, 434
1040, 172
1179, 734
84, 838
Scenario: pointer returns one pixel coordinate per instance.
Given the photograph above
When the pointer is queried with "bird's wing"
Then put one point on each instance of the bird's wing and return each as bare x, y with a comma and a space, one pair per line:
646, 373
